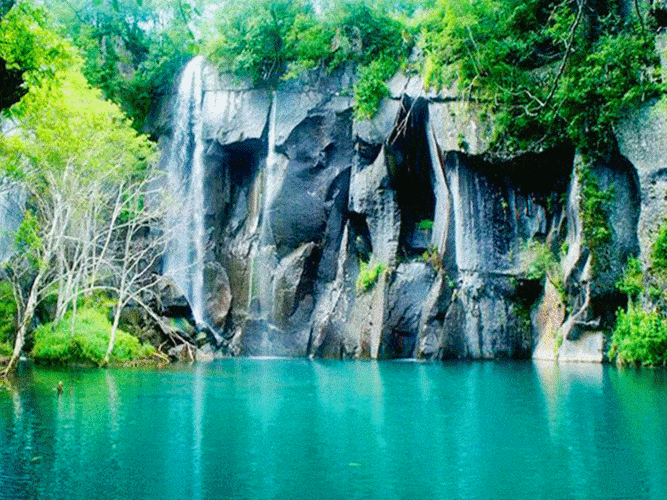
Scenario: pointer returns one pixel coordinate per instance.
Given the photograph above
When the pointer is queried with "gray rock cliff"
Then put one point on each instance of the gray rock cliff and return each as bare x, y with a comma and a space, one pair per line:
299, 194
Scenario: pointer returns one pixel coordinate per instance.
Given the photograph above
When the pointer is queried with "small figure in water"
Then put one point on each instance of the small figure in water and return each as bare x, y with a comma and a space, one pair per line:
60, 387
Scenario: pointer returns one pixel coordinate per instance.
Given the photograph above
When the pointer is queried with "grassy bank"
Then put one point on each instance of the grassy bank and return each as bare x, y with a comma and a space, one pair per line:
84, 340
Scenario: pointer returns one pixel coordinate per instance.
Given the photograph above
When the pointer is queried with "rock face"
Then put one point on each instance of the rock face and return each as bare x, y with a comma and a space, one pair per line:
466, 255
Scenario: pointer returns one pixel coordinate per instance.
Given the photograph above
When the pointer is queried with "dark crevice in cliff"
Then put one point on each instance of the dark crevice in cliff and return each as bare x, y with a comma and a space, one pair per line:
229, 185
336, 205
659, 16
539, 174
410, 169
360, 237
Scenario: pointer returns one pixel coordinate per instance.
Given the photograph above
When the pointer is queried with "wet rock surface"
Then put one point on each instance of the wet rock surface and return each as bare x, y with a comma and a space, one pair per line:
299, 195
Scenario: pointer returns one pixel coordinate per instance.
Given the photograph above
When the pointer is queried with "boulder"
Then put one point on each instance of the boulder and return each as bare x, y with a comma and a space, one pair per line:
217, 294
588, 348
171, 298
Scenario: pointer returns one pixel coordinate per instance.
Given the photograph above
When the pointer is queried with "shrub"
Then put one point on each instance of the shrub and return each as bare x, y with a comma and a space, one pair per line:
659, 252
56, 343
431, 256
370, 88
368, 276
425, 224
539, 261
594, 205
5, 350
640, 337
269, 39
632, 281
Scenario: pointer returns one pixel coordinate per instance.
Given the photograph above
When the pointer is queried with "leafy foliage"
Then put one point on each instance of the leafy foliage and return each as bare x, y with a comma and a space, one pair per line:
268, 40
594, 204
29, 50
85, 341
551, 71
75, 153
540, 262
426, 224
368, 276
632, 281
431, 256
255, 39
659, 252
640, 337
132, 48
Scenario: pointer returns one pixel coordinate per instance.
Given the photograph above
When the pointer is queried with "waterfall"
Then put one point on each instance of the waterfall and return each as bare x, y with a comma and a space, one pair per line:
270, 184
262, 260
184, 260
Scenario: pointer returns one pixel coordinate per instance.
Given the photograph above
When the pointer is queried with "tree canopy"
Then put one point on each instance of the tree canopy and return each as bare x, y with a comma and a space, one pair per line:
75, 153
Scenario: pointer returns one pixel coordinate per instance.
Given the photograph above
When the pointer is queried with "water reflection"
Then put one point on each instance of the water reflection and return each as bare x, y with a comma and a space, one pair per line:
198, 409
590, 433
324, 429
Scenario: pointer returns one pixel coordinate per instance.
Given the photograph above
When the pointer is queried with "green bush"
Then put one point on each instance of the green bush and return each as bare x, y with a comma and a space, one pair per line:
640, 337
659, 252
539, 261
5, 350
368, 276
594, 205
425, 224
7, 319
370, 88
55, 343
552, 72
431, 256
632, 281
269, 40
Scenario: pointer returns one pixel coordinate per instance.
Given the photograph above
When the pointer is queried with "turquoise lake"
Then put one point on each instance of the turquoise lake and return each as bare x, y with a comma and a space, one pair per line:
300, 429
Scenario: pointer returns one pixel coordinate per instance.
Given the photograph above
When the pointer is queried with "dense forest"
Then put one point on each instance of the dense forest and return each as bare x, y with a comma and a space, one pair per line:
81, 80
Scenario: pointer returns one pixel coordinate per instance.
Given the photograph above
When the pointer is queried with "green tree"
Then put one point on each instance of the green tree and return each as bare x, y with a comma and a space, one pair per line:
272, 40
131, 48
72, 150
552, 72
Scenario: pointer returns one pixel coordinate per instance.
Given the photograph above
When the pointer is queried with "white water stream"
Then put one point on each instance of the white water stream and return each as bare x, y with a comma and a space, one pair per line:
185, 257
261, 276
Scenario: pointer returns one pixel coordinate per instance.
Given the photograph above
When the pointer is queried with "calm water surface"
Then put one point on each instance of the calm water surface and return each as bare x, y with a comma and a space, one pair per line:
299, 429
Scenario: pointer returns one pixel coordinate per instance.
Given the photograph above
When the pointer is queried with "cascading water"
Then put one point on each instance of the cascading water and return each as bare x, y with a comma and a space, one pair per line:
270, 184
261, 275
264, 258
185, 168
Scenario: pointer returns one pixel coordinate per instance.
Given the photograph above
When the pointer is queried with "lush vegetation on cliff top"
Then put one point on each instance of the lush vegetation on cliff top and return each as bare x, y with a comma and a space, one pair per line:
550, 70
